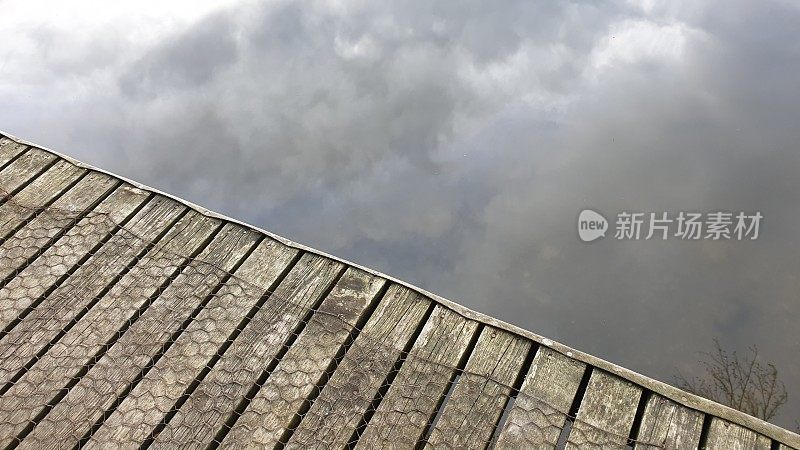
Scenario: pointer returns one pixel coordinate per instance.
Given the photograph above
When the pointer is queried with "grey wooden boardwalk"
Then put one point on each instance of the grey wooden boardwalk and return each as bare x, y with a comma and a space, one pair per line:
132, 319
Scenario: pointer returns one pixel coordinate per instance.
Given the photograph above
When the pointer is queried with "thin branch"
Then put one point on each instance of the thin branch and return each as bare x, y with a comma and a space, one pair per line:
745, 384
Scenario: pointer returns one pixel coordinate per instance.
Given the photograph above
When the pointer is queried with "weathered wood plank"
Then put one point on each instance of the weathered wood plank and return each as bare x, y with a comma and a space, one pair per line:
403, 414
154, 397
666, 424
9, 150
39, 192
28, 396
88, 400
62, 305
206, 410
31, 282
477, 401
606, 413
305, 364
23, 169
542, 406
337, 411
724, 435
37, 231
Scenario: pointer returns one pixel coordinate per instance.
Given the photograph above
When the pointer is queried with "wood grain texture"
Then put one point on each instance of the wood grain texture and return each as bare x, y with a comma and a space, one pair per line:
38, 230
204, 413
23, 169
62, 305
542, 406
666, 424
606, 413
60, 256
96, 391
411, 401
155, 396
9, 150
337, 411
304, 365
29, 395
724, 435
480, 394
42, 190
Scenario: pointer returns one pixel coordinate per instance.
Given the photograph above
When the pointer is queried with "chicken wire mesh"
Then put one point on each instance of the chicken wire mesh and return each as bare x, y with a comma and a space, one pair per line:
172, 330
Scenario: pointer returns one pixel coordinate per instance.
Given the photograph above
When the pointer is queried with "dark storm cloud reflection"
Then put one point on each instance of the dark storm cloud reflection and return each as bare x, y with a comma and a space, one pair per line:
453, 144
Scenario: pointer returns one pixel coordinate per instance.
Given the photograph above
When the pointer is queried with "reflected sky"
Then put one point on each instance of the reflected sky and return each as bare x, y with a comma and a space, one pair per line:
452, 144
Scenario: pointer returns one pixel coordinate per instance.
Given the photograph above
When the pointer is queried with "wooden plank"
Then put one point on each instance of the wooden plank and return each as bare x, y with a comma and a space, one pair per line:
411, 401
9, 150
37, 232
724, 435
606, 413
38, 193
337, 411
28, 396
154, 397
480, 394
306, 362
96, 391
31, 282
542, 405
206, 410
62, 305
23, 169
666, 424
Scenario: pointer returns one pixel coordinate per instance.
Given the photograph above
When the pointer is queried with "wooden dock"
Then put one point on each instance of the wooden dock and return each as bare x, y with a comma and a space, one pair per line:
133, 319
